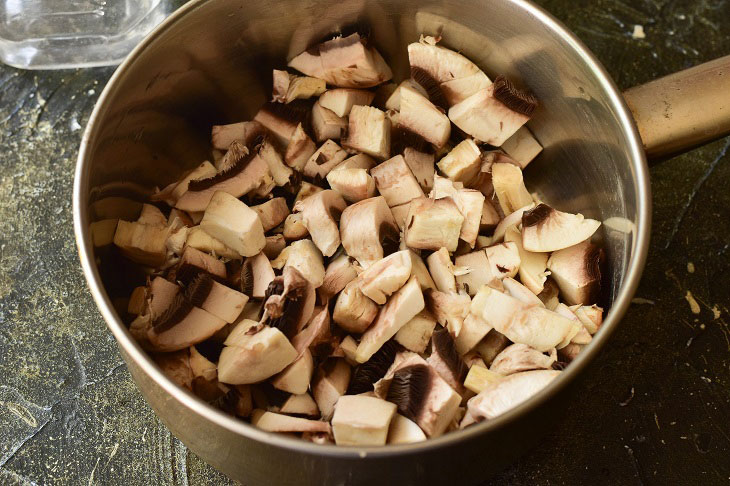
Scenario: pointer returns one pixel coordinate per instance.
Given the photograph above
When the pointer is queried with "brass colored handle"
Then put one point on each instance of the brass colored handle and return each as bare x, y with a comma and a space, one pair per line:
683, 110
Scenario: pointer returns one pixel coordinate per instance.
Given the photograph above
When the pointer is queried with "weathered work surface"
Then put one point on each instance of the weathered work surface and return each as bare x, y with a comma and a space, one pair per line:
655, 409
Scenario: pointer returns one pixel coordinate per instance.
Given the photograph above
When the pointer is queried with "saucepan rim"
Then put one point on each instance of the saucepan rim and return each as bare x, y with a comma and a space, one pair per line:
140, 357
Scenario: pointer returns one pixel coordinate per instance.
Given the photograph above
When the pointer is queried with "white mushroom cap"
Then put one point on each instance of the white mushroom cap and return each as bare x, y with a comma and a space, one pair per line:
354, 312
305, 257
520, 357
546, 229
404, 431
364, 226
383, 278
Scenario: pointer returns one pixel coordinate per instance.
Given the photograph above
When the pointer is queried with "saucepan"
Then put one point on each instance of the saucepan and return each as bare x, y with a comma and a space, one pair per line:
210, 63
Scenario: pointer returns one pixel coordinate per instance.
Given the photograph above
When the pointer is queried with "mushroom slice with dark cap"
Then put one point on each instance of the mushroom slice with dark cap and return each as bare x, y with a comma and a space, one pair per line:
289, 302
364, 227
446, 360
545, 229
495, 113
368, 373
506, 394
194, 262
422, 117
182, 325
346, 62
241, 173
577, 272
282, 120
221, 301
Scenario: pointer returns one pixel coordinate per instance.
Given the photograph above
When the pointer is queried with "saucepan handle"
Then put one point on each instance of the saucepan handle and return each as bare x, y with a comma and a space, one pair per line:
683, 110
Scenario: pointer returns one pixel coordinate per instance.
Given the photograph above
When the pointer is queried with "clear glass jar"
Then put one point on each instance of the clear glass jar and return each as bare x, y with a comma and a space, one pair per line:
55, 34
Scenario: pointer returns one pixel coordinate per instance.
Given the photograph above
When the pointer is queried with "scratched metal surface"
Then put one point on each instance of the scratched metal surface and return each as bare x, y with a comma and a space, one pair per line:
654, 410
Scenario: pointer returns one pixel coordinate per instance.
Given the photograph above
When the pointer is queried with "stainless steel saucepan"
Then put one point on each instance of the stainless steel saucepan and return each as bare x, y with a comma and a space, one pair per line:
210, 63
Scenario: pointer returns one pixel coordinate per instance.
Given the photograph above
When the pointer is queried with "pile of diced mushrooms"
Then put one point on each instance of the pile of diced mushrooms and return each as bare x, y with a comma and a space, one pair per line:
362, 263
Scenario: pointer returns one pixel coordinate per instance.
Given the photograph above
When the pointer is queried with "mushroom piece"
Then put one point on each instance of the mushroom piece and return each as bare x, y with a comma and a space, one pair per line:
339, 273
532, 265
532, 325
326, 158
256, 275
520, 292
363, 226
362, 420
420, 116
509, 187
348, 346
522, 146
393, 101
346, 62
241, 172
152, 216
495, 113
142, 243
282, 120
289, 302
591, 317
289, 87
300, 148
473, 331
358, 161
302, 404
416, 333
326, 124
442, 270
455, 76
582, 337
221, 301
577, 272
294, 228
432, 224
395, 181
549, 294
421, 395
476, 271
222, 136
329, 384
400, 308
446, 360
545, 229
176, 366
320, 214
479, 378
295, 378
197, 238
520, 357
368, 131
181, 325
463, 162
354, 312
280, 172
194, 262
469, 202
381, 279
277, 422
274, 245
353, 184
315, 332
492, 344
272, 213
304, 256
504, 260
400, 213
508, 221
404, 431
490, 218
341, 100
254, 352
505, 394
368, 373
421, 165
450, 310
138, 300
102, 232
234, 224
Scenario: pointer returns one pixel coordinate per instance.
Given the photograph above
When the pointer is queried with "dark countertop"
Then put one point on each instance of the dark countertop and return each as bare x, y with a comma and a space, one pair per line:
655, 408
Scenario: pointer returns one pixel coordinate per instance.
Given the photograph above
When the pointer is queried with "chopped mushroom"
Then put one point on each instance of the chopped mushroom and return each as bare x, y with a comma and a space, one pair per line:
300, 148
289, 302
380, 280
509, 187
324, 159
233, 223
288, 87
577, 272
463, 162
329, 384
522, 146
364, 227
272, 213
504, 260
362, 420
295, 378
533, 266
341, 100
276, 422
320, 214
432, 224
395, 181
546, 229
416, 333
368, 131
354, 312
304, 256
326, 124
520, 357
353, 184
339, 273
404, 431
420, 116
197, 238
479, 378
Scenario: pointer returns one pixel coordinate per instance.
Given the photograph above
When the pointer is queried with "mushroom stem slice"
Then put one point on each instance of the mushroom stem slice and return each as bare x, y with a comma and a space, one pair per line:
432, 224
522, 146
368, 131
362, 420
509, 187
364, 226
320, 214
233, 223
400, 308
479, 378
545, 229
